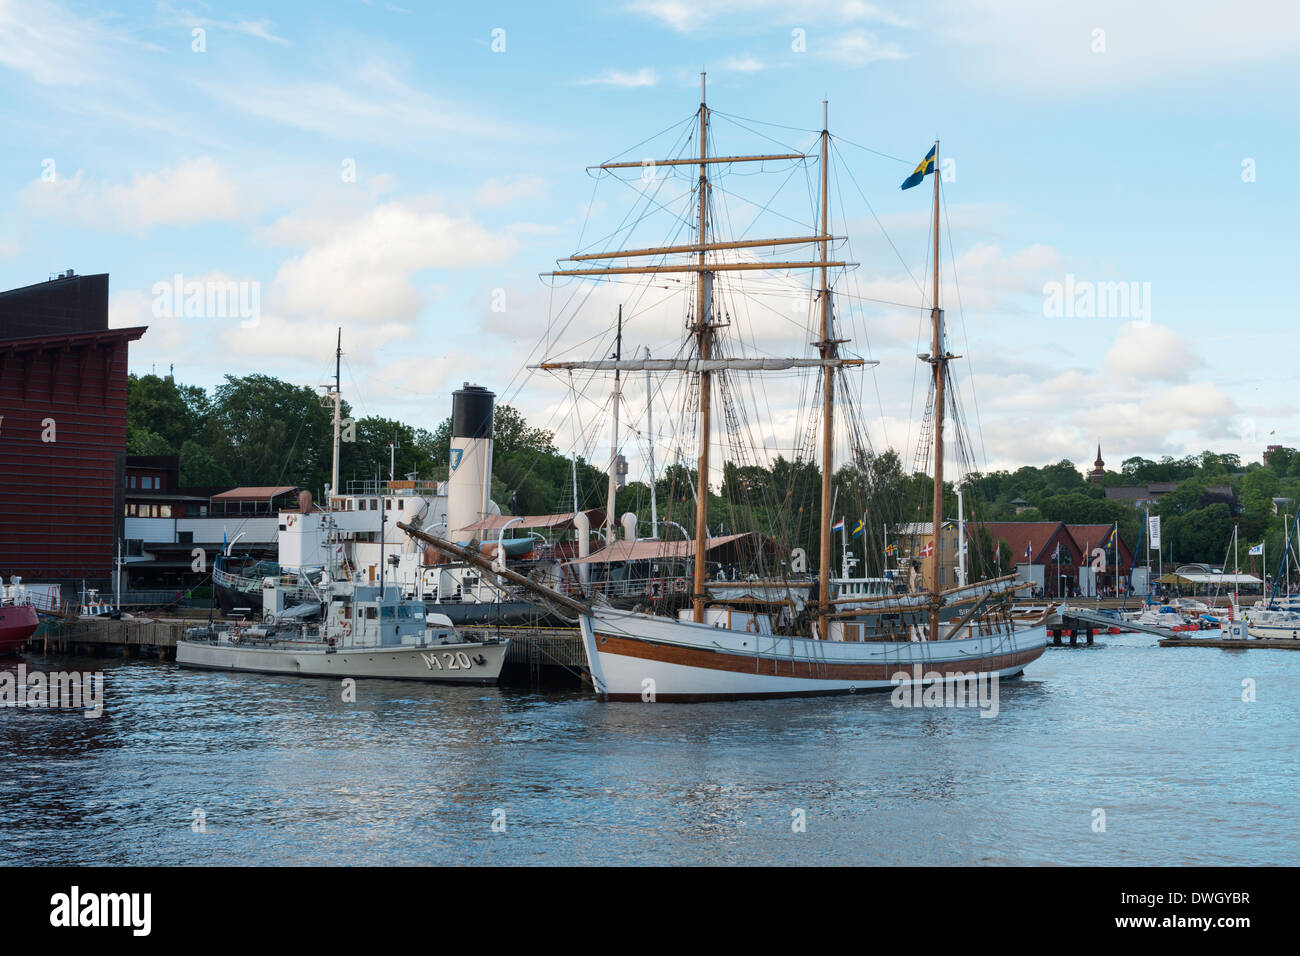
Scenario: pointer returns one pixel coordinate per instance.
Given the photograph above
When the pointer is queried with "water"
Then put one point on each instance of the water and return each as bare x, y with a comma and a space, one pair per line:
285, 772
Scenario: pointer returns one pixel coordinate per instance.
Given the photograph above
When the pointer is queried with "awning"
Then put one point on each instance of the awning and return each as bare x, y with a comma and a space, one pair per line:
653, 550
553, 522
1194, 579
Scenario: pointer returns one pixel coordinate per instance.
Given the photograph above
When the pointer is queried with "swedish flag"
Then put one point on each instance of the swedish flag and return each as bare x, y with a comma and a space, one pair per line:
862, 525
923, 168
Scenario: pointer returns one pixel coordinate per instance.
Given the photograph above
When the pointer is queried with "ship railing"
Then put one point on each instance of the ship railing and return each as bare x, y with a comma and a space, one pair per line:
657, 586
47, 601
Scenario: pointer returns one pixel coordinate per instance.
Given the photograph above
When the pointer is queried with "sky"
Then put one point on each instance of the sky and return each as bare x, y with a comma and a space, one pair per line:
407, 172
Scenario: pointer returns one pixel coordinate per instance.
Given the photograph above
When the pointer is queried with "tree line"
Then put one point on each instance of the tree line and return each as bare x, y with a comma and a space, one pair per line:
259, 430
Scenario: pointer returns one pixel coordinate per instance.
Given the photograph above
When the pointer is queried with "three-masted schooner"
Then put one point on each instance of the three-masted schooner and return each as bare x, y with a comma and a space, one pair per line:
711, 651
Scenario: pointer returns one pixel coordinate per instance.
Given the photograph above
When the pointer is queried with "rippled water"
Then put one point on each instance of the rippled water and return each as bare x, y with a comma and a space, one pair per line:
285, 772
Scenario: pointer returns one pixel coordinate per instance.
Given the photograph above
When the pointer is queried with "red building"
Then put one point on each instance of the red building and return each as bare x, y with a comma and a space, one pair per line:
62, 430
1045, 550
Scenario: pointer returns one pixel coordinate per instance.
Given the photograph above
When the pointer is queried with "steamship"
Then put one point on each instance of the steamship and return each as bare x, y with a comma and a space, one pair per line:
355, 534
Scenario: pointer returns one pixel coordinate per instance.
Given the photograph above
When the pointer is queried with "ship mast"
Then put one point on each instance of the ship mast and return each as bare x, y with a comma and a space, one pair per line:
338, 358
705, 363
704, 342
827, 349
613, 438
939, 368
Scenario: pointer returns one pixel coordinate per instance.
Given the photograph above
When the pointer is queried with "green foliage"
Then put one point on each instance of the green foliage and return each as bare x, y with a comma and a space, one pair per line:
258, 430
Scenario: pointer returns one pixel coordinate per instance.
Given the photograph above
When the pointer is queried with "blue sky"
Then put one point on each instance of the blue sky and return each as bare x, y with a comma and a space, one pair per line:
129, 152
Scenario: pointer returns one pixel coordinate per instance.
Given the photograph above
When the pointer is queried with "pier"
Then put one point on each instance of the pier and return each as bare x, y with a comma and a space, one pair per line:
1073, 617
535, 654
1235, 644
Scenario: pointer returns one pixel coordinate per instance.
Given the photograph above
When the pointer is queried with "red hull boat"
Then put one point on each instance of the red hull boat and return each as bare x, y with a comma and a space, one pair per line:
17, 623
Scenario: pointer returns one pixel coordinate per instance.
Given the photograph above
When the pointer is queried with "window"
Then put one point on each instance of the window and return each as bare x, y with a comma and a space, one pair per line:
401, 505
371, 613
388, 504
165, 511
130, 482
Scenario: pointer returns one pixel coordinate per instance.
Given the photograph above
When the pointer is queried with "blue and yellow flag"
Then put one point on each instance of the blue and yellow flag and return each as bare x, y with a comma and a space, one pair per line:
862, 525
924, 168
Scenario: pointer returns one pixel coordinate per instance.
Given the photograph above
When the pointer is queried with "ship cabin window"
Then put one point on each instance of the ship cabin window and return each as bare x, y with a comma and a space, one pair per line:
165, 511
386, 612
371, 613
361, 505
388, 504
374, 504
131, 482
401, 505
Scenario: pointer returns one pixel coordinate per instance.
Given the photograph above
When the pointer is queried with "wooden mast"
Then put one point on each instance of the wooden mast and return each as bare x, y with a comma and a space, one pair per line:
827, 349
703, 338
939, 368
610, 521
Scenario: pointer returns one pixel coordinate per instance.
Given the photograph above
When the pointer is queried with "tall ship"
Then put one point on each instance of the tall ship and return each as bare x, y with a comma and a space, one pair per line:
768, 629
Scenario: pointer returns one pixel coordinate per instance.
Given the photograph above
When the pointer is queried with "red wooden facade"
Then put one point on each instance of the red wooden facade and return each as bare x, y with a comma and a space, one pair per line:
62, 452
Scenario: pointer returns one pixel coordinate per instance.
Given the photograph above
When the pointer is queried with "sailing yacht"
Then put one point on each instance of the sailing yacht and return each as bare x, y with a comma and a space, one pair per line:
851, 641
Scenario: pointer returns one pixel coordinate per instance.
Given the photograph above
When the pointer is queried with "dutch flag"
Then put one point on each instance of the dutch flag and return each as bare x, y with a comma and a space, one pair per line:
838, 526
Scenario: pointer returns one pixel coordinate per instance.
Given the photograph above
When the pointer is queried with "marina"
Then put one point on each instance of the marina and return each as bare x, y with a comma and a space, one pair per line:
277, 763
646, 434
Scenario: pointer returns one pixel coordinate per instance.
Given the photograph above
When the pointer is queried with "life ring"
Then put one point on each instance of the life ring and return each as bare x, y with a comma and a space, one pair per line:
679, 584
347, 628
656, 588
752, 626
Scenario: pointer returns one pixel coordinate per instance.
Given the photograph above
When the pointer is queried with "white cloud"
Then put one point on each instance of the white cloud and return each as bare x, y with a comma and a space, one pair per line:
261, 29
1151, 353
860, 47
194, 191
369, 104
685, 16
499, 192
54, 46
1037, 45
363, 270
646, 76
743, 64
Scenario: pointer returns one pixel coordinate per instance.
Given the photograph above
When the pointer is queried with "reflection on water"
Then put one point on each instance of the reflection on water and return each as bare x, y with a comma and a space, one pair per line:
284, 771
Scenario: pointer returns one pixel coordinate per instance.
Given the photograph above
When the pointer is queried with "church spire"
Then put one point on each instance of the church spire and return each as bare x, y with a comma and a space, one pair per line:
1098, 467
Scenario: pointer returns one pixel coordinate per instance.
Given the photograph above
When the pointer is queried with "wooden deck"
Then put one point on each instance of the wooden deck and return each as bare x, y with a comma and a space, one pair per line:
1232, 644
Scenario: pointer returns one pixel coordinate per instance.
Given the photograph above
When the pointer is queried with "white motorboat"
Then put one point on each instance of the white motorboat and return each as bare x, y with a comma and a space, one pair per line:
367, 631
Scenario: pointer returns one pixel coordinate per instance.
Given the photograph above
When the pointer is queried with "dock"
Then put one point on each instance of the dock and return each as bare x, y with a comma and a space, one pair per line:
535, 654
1072, 617
1233, 644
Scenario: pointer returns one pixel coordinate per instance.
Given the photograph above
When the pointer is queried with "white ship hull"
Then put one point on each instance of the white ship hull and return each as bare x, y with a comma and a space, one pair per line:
641, 657
1274, 631
469, 663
